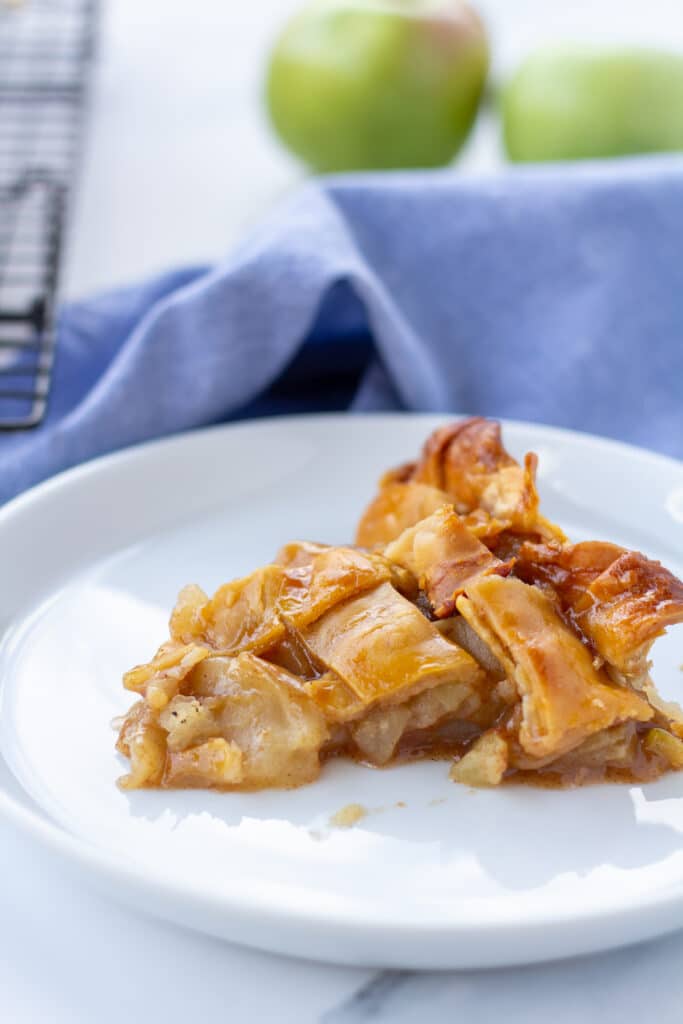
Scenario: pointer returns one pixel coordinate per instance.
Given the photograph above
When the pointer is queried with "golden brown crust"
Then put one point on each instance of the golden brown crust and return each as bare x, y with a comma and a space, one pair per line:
564, 698
627, 607
384, 649
398, 506
461, 458
469, 462
568, 569
467, 627
621, 600
241, 615
443, 555
465, 464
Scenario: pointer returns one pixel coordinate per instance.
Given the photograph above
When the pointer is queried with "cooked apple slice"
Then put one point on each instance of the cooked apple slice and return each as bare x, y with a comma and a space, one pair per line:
241, 722
160, 679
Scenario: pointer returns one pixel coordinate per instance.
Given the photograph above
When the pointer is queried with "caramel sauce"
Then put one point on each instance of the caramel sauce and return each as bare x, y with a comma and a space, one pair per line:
450, 741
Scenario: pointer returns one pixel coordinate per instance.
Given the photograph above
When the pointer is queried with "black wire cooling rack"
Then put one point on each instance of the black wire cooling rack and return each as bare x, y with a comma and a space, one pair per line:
46, 50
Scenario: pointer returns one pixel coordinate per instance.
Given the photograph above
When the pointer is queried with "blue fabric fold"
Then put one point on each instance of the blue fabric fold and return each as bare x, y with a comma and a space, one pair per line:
545, 294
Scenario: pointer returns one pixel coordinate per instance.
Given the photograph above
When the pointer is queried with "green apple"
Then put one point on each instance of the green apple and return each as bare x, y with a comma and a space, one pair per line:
366, 84
570, 104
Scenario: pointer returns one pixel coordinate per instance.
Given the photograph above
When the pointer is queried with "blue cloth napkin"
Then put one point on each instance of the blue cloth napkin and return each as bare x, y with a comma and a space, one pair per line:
547, 294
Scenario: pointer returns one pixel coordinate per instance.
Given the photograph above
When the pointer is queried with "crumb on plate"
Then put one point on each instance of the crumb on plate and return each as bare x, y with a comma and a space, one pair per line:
348, 816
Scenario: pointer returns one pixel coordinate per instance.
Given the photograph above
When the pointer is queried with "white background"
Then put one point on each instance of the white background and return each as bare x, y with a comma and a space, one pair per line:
180, 159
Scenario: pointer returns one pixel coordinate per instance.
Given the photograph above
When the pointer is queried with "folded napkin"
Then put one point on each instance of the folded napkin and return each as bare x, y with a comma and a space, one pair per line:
547, 294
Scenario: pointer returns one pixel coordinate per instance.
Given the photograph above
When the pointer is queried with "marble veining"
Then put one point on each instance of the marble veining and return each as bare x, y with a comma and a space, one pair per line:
371, 1000
642, 981
71, 956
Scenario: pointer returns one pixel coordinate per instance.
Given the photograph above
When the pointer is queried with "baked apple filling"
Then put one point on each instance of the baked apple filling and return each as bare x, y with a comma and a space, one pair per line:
462, 625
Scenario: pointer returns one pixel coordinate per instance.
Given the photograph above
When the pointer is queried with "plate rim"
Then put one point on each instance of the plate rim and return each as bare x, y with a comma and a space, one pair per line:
124, 872
139, 449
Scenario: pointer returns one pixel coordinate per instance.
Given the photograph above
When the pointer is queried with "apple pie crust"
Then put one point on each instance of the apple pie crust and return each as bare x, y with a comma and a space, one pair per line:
462, 625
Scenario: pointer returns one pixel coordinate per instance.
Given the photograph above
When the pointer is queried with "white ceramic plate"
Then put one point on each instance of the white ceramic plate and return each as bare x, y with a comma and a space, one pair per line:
436, 875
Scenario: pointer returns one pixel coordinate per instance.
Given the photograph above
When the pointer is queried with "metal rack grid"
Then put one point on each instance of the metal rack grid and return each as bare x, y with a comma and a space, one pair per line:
46, 49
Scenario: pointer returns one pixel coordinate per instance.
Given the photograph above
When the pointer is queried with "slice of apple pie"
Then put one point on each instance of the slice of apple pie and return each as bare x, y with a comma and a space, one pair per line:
462, 625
